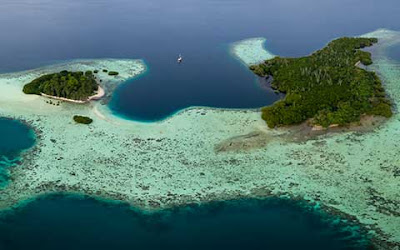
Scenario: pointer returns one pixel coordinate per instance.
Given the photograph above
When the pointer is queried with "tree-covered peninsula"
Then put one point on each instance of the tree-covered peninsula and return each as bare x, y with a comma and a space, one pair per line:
69, 85
327, 86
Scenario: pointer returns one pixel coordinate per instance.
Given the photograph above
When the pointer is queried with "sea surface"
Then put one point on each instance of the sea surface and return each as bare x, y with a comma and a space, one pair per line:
42, 32
14, 138
70, 222
394, 53
65, 221
46, 31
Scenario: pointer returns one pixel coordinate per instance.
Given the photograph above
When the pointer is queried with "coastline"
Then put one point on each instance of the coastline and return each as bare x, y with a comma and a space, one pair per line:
100, 93
173, 162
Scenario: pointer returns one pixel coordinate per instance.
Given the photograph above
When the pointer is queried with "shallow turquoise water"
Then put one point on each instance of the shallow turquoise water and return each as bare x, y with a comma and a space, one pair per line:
61, 222
41, 32
14, 138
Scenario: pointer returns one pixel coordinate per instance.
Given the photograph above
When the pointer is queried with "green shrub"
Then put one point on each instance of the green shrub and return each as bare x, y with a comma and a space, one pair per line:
382, 109
82, 119
113, 73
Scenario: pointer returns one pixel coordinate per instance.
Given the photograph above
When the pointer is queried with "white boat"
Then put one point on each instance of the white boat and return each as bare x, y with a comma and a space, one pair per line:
180, 58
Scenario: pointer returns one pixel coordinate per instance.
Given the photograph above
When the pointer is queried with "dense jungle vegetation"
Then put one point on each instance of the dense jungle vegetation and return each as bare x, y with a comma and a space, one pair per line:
71, 85
82, 119
327, 86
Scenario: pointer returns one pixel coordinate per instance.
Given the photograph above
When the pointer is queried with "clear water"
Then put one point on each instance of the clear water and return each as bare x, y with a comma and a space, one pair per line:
14, 138
44, 31
394, 53
60, 222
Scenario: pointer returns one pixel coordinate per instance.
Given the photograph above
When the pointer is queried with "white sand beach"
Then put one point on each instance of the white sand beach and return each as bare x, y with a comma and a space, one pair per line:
97, 96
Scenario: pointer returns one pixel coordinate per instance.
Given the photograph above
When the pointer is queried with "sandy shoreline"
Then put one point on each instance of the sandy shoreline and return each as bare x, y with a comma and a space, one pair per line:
99, 94
176, 161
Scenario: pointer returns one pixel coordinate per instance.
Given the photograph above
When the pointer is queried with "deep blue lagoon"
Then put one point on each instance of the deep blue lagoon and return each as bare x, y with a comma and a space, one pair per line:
42, 32
60, 222
14, 138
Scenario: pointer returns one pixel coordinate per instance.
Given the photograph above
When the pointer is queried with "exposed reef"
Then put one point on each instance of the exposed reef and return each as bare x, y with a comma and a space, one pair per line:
180, 161
251, 51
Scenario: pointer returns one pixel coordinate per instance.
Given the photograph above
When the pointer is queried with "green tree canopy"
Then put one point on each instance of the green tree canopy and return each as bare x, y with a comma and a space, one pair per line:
71, 85
327, 86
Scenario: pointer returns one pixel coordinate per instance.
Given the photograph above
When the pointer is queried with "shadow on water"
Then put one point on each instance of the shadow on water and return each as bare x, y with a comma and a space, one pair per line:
74, 222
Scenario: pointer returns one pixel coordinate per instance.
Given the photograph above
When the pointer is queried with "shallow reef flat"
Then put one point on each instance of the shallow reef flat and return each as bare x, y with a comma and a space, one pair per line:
11, 84
180, 160
251, 51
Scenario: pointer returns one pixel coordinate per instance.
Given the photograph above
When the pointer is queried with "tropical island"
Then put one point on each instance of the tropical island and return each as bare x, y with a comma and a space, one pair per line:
68, 86
354, 175
327, 88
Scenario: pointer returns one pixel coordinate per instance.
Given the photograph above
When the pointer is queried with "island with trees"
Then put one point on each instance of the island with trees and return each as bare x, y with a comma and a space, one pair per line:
327, 87
65, 85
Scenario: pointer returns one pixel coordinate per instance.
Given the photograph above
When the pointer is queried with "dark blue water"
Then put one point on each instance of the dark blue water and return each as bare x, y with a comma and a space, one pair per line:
394, 52
60, 222
43, 31
71, 222
14, 138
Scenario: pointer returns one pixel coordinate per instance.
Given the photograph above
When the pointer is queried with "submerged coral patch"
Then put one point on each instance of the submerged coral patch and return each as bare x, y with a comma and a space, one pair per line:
175, 161
251, 51
15, 137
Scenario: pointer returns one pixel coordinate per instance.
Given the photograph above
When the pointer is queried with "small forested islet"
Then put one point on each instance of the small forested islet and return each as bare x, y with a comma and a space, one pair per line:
71, 85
